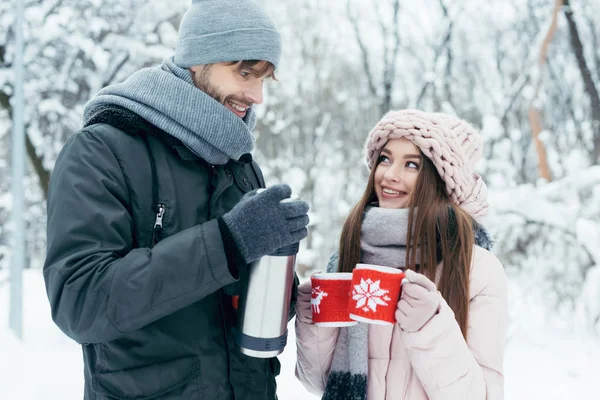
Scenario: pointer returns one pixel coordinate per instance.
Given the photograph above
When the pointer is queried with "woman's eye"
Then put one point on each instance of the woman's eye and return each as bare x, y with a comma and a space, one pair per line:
245, 74
412, 164
384, 159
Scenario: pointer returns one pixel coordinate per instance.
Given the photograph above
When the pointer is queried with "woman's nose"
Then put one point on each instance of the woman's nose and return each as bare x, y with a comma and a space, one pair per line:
394, 174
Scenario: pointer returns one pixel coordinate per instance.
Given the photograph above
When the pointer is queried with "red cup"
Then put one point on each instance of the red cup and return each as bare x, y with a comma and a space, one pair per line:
375, 294
330, 296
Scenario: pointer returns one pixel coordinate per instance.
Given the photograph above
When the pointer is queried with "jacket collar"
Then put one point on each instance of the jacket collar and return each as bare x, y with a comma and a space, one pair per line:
133, 124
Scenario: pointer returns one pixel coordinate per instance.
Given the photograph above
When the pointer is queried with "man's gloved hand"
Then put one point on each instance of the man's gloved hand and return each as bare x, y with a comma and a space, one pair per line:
260, 223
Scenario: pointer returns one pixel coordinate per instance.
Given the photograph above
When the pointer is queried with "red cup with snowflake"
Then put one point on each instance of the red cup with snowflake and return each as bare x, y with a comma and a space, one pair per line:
375, 293
329, 301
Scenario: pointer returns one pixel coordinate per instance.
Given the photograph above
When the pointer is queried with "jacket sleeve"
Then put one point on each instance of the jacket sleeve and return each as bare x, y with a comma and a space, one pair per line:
446, 365
99, 287
314, 349
314, 345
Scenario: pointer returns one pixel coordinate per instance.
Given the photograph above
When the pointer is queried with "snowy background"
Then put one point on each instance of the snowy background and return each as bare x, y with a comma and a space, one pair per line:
525, 72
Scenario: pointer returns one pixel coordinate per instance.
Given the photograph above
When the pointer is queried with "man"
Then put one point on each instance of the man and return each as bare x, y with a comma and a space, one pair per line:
153, 217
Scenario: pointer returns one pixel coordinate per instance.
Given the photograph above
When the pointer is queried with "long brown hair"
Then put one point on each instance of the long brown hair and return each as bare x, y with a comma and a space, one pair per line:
439, 227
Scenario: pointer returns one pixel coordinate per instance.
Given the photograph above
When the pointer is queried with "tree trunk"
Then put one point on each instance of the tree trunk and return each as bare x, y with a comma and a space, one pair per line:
38, 165
535, 121
37, 161
535, 112
586, 74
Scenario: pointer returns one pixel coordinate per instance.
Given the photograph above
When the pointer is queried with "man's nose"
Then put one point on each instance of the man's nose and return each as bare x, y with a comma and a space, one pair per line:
255, 92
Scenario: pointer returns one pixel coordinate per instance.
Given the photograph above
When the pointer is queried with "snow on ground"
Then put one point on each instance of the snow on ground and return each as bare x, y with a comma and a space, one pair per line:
540, 364
46, 364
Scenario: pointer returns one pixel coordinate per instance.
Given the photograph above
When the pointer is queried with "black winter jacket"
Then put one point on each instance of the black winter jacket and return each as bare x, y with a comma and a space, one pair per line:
149, 306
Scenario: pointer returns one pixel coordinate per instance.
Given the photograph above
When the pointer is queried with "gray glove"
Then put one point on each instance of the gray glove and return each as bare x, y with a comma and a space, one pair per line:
260, 223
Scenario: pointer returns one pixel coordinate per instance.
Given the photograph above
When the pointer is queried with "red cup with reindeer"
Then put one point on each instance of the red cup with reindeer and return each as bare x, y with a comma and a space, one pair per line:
375, 294
330, 297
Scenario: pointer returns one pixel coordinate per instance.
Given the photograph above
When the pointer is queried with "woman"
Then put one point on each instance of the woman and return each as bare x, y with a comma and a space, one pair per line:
448, 341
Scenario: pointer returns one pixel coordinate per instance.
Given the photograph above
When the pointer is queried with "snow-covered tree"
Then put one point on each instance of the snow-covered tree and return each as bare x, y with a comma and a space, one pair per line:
345, 63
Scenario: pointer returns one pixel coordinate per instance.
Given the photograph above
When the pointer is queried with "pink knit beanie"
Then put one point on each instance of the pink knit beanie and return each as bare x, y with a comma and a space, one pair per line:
452, 144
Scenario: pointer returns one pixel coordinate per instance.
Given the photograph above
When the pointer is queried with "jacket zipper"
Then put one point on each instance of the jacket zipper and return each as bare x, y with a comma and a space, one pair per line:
158, 223
225, 333
212, 187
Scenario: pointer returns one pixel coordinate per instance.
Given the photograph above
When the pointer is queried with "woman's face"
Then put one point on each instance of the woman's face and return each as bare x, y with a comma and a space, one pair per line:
397, 172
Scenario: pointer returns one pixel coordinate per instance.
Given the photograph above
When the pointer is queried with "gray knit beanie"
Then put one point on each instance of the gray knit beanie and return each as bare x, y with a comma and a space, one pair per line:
214, 31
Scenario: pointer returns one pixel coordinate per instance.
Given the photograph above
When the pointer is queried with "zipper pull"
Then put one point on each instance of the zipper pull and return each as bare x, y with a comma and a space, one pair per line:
158, 224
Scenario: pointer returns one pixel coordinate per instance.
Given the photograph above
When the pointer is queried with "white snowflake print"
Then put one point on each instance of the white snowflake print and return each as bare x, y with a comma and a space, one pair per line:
315, 300
369, 295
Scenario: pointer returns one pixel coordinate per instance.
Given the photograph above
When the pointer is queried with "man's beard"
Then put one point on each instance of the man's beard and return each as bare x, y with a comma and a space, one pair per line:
202, 82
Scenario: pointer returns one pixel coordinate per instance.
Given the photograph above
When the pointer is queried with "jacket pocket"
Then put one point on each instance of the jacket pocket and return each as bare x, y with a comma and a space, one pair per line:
275, 366
242, 180
147, 382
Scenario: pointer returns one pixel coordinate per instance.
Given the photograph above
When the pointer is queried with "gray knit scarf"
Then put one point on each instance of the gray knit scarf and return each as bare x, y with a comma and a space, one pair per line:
383, 242
166, 97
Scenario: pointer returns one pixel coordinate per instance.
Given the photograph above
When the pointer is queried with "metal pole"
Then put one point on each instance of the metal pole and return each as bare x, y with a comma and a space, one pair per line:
18, 174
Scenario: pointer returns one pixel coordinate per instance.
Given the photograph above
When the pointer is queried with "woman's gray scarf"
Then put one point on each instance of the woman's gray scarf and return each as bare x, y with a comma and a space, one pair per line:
166, 97
383, 242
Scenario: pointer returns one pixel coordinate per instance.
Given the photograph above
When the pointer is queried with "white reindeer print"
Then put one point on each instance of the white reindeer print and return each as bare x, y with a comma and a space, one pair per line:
317, 296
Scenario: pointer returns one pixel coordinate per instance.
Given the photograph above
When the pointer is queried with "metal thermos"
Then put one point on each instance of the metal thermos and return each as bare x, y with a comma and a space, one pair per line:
264, 304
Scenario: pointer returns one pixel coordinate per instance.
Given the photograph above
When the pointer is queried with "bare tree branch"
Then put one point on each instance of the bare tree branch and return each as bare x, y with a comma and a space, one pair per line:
38, 165
565, 97
5, 102
382, 27
384, 104
547, 226
523, 80
363, 49
449, 61
438, 51
52, 9
37, 161
115, 70
515, 91
590, 86
595, 44
389, 72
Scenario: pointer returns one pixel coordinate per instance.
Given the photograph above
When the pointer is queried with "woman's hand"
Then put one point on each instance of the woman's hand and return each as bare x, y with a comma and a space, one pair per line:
303, 306
419, 302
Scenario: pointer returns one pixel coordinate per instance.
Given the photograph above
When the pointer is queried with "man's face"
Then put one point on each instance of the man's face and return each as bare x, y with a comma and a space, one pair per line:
235, 85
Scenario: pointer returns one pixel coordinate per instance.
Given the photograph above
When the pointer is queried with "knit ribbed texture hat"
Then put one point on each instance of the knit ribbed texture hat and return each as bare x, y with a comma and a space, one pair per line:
214, 31
452, 144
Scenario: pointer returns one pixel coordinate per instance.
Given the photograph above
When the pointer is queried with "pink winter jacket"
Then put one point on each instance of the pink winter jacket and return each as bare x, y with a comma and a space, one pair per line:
434, 363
